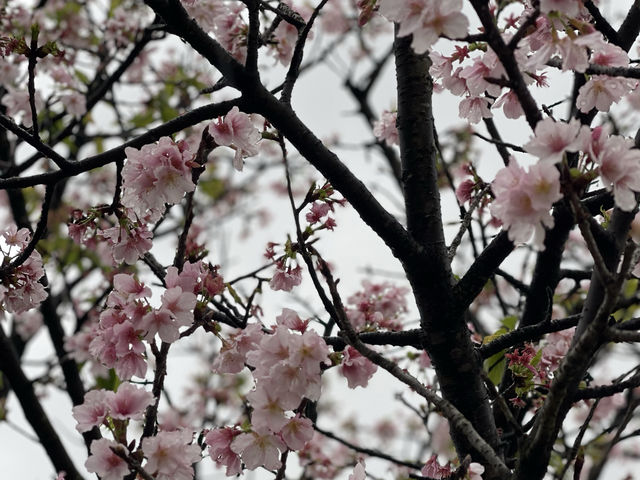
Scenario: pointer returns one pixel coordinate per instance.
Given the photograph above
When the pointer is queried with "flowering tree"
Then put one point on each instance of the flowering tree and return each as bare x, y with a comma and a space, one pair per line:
131, 130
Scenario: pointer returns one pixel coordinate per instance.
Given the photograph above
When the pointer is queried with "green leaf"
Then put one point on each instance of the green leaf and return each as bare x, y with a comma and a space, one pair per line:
494, 365
212, 187
110, 383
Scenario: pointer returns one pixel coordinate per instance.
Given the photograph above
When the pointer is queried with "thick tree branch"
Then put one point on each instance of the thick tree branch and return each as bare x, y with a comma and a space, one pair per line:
33, 411
189, 119
508, 60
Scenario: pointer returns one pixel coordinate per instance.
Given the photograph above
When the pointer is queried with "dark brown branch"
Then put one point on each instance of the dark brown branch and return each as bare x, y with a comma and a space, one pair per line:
526, 334
607, 390
296, 59
367, 451
601, 23
33, 411
508, 60
41, 227
189, 119
33, 140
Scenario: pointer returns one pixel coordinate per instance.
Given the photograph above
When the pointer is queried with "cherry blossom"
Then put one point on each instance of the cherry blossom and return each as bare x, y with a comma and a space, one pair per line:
433, 469
358, 472
426, 20
378, 305
385, 129
129, 402
619, 166
285, 277
93, 411
27, 323
17, 103
601, 91
475, 471
571, 8
259, 450
297, 432
104, 462
74, 103
154, 175
128, 243
219, 441
523, 200
170, 455
474, 109
21, 288
552, 139
357, 369
236, 130
232, 356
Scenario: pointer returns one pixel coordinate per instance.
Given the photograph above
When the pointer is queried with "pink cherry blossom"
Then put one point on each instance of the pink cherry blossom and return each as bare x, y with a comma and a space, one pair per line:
357, 369
21, 287
620, 170
385, 129
523, 200
17, 103
127, 288
609, 55
426, 20
474, 75
16, 238
74, 103
129, 402
510, 105
128, 243
286, 278
552, 139
236, 130
601, 91
464, 190
378, 305
268, 413
154, 175
27, 323
571, 8
219, 441
358, 472
297, 432
93, 411
474, 109
117, 342
233, 353
259, 450
475, 471
290, 319
180, 304
104, 462
433, 469
170, 455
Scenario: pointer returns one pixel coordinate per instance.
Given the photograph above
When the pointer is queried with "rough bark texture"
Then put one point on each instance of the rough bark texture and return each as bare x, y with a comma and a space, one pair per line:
445, 334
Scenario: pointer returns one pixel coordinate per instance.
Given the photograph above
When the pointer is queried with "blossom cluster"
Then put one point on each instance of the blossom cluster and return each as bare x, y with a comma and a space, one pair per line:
286, 370
156, 175
20, 288
124, 242
560, 31
169, 454
523, 200
286, 367
377, 305
129, 319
